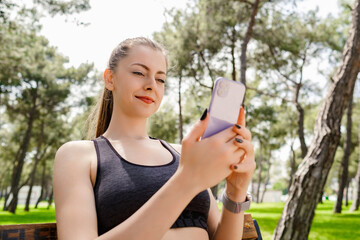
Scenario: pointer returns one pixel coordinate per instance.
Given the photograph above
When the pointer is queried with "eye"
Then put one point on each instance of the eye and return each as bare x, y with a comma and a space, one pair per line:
161, 80
138, 73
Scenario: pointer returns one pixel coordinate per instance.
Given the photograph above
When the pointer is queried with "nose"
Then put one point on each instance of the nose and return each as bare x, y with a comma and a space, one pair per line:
150, 83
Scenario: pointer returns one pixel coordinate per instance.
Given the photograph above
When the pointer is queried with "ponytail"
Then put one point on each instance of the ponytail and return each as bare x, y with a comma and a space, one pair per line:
99, 119
105, 112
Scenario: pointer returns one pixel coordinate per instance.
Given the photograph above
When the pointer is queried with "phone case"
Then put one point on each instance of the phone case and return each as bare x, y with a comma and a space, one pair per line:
226, 100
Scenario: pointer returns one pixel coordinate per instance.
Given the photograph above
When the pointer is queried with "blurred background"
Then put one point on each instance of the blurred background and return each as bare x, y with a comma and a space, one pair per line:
53, 54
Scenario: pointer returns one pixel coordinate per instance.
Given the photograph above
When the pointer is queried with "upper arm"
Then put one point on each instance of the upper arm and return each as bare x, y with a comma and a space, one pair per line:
73, 191
214, 215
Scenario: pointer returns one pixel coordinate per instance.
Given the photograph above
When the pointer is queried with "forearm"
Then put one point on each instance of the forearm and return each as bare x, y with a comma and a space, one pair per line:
157, 215
231, 224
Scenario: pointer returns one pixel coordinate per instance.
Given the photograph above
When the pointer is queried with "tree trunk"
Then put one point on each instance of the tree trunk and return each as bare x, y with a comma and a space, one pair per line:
246, 40
356, 196
310, 178
259, 164
180, 111
37, 158
301, 130
7, 194
232, 47
292, 165
43, 182
252, 187
29, 195
20, 161
343, 178
347, 193
50, 199
266, 182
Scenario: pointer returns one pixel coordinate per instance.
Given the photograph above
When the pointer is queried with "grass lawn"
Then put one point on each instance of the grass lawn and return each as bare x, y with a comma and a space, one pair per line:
326, 225
39, 215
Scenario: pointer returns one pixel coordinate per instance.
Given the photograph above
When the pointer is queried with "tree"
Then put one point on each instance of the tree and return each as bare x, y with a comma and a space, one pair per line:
15, 33
306, 190
286, 45
343, 179
163, 124
33, 77
200, 38
356, 198
44, 87
267, 131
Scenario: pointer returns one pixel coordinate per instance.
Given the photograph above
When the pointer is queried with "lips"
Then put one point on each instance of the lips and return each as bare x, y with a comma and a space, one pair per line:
145, 99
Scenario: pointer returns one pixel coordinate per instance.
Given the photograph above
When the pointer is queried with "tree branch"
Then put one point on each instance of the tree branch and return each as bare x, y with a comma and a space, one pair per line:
267, 94
207, 65
255, 8
197, 79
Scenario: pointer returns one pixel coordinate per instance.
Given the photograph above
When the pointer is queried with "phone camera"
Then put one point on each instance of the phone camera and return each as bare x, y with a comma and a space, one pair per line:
223, 89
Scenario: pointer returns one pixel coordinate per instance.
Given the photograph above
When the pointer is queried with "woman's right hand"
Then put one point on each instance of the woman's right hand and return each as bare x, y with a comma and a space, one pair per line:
208, 161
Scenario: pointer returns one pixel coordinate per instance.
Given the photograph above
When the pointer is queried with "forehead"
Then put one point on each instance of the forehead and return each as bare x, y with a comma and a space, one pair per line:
153, 59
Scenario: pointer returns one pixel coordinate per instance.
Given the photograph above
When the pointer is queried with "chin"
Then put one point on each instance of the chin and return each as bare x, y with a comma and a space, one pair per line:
145, 113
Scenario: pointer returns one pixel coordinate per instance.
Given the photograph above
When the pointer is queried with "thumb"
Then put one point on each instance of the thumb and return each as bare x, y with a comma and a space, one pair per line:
241, 118
199, 128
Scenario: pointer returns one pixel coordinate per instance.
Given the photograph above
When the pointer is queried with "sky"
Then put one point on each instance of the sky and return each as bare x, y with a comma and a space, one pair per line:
111, 21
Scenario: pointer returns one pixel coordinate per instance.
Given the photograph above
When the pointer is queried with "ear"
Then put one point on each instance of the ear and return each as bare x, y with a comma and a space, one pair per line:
109, 80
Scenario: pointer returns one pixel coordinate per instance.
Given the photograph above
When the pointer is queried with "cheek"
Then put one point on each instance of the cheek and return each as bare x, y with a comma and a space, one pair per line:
161, 93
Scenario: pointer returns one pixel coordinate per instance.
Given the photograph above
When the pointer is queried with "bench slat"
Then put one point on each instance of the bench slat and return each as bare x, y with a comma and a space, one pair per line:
37, 231
47, 231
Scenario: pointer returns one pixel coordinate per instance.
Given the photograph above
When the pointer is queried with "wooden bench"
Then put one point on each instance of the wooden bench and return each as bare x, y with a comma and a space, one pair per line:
45, 231
37, 231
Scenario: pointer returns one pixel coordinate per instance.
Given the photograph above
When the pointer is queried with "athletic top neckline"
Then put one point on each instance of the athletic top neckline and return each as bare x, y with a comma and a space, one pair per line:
141, 165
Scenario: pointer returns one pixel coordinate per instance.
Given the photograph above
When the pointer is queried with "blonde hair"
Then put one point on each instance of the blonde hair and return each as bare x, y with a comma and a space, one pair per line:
104, 107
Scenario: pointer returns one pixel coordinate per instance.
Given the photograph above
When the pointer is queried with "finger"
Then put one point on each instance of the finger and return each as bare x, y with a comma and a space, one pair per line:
228, 135
245, 145
198, 130
242, 131
241, 118
234, 148
246, 164
244, 167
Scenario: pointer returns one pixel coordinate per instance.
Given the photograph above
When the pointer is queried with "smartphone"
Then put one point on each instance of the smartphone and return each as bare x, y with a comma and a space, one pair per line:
226, 101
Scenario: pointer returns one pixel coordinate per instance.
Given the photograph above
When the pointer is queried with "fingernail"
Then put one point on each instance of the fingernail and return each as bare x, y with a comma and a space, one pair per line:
238, 140
237, 126
203, 116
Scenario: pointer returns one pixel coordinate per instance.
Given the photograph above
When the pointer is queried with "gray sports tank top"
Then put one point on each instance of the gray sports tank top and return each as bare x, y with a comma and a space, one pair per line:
122, 187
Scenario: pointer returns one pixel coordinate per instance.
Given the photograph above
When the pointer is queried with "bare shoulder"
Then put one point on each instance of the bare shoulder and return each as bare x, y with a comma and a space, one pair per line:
73, 191
75, 151
176, 146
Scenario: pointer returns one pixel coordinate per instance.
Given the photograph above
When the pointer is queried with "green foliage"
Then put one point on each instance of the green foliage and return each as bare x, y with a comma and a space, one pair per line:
35, 85
61, 7
204, 42
163, 124
281, 185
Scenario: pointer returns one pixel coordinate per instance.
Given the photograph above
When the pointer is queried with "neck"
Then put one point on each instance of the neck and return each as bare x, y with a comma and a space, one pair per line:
122, 126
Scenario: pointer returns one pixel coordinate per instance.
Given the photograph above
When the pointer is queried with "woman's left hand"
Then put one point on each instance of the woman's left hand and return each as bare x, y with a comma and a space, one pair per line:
238, 181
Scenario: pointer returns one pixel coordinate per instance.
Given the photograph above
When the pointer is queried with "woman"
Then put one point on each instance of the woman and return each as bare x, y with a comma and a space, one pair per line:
127, 185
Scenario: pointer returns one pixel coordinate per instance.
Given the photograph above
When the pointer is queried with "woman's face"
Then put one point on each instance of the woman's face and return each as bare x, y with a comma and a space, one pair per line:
139, 82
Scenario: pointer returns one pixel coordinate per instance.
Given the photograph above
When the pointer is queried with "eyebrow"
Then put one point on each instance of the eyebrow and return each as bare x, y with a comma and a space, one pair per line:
146, 67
